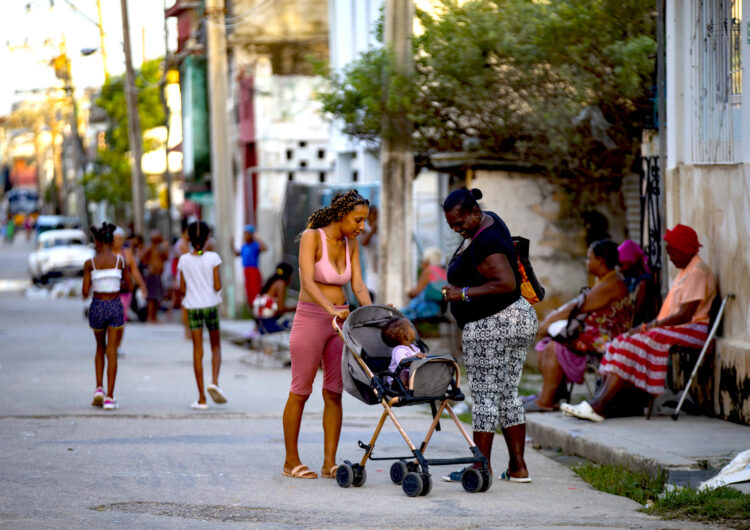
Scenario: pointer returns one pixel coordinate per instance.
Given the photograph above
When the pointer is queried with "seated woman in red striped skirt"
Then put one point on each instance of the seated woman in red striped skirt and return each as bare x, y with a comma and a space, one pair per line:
639, 358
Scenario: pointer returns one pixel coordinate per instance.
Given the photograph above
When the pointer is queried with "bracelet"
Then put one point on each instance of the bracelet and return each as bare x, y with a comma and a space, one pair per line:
465, 295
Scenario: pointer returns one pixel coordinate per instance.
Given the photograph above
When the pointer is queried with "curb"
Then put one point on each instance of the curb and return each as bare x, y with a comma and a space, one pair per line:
571, 443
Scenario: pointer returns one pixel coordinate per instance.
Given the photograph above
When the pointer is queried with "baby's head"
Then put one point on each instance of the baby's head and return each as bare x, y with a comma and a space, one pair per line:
398, 331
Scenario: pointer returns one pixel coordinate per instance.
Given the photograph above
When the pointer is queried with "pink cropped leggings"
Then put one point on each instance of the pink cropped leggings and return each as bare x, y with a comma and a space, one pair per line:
311, 341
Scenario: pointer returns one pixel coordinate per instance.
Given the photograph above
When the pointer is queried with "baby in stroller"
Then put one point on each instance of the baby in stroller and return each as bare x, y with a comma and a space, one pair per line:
399, 334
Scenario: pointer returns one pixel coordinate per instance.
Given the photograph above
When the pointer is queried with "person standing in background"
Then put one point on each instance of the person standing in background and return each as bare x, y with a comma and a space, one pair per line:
370, 243
180, 247
250, 253
153, 259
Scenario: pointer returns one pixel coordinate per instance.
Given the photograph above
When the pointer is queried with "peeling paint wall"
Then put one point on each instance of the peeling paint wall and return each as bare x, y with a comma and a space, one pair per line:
715, 201
531, 206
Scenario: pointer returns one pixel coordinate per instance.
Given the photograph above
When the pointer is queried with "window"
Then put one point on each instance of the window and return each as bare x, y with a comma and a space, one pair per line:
302, 144
735, 55
355, 176
289, 154
290, 176
322, 176
321, 154
303, 163
717, 78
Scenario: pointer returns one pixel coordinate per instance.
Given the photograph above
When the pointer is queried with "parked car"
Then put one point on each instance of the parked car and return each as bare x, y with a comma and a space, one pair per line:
59, 253
55, 222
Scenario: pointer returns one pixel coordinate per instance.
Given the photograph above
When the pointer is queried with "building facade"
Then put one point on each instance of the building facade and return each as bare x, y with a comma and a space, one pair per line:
707, 170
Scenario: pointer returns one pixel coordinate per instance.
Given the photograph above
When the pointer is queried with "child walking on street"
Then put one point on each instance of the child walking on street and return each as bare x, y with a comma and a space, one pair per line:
103, 275
200, 283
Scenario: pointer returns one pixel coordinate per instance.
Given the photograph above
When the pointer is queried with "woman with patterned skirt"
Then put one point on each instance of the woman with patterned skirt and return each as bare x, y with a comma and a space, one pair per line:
498, 326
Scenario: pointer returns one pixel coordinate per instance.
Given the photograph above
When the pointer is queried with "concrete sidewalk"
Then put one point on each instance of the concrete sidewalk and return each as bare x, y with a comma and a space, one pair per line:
690, 450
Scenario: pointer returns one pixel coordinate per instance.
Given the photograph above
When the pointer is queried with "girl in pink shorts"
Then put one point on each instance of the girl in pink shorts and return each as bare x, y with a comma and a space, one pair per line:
328, 260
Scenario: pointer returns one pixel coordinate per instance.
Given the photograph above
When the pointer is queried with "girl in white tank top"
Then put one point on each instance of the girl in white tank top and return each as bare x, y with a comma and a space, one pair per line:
106, 317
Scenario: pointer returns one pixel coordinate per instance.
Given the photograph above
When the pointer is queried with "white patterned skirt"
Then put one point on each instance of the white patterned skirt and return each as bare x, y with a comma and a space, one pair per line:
494, 352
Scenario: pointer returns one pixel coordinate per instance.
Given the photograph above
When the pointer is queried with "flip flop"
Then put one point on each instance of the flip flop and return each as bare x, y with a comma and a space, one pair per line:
301, 471
533, 406
522, 480
331, 473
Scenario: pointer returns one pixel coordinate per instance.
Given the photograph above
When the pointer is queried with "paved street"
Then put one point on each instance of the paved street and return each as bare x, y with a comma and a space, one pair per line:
155, 463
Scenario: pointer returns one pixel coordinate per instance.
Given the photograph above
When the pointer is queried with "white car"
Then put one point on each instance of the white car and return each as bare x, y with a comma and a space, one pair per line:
59, 253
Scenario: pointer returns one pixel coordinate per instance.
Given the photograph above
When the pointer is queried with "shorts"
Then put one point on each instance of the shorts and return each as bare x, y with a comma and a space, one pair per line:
154, 287
106, 314
210, 315
313, 342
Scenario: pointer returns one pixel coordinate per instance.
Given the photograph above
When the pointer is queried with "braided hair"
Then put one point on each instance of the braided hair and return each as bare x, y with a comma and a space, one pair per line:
342, 204
103, 234
198, 234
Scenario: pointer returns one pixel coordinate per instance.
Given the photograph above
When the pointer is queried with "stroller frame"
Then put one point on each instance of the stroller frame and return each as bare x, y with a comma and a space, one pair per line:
412, 471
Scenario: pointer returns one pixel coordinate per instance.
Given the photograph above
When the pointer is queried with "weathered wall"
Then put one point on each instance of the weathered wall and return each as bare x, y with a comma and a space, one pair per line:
533, 207
715, 201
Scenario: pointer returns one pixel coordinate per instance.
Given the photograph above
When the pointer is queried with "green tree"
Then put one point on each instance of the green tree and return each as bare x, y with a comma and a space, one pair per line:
110, 179
561, 85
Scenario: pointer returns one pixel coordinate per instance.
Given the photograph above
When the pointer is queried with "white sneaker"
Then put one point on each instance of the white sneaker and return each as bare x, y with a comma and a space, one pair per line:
198, 406
216, 394
109, 403
98, 397
583, 411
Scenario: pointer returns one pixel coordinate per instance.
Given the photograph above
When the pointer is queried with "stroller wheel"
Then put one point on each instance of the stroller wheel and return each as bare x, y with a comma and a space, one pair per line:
472, 480
487, 479
426, 484
344, 475
360, 476
412, 484
398, 472
412, 466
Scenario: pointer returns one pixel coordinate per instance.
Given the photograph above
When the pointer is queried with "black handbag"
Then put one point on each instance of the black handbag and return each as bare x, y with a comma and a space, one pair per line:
575, 324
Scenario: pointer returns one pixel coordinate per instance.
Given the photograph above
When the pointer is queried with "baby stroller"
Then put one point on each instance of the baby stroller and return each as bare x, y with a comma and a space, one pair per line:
434, 380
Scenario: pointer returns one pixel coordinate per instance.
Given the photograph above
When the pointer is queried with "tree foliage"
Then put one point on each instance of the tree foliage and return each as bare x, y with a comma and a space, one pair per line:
564, 85
111, 178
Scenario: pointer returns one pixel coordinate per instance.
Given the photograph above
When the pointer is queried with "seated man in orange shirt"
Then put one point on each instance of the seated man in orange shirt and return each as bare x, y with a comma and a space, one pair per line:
639, 358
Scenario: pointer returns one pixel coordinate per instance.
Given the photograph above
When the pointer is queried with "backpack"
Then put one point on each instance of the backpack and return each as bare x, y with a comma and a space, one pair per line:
531, 289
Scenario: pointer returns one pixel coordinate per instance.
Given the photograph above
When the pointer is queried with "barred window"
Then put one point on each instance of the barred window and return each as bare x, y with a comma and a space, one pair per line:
717, 79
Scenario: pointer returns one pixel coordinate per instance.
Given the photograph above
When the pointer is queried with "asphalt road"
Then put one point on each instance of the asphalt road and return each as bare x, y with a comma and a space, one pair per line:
154, 463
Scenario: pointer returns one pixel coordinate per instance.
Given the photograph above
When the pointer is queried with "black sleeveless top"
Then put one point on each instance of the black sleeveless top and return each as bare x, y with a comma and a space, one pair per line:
462, 272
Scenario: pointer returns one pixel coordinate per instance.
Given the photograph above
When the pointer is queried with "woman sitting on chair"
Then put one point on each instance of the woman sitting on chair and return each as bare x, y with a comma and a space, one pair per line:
608, 310
271, 302
639, 358
422, 305
640, 281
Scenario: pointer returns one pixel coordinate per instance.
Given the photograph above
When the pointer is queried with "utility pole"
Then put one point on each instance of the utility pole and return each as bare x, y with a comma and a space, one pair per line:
167, 119
221, 170
101, 39
397, 163
134, 126
63, 71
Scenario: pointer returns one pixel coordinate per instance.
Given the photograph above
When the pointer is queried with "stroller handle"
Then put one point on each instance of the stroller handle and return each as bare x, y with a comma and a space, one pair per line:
337, 327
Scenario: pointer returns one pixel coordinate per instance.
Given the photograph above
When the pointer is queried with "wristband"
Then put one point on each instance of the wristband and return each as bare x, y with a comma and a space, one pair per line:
464, 295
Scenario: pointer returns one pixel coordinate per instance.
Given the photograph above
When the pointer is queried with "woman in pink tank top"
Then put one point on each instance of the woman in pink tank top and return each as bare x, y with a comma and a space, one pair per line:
328, 260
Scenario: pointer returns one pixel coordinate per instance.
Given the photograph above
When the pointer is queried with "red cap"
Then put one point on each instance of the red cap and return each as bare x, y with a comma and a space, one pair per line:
683, 238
